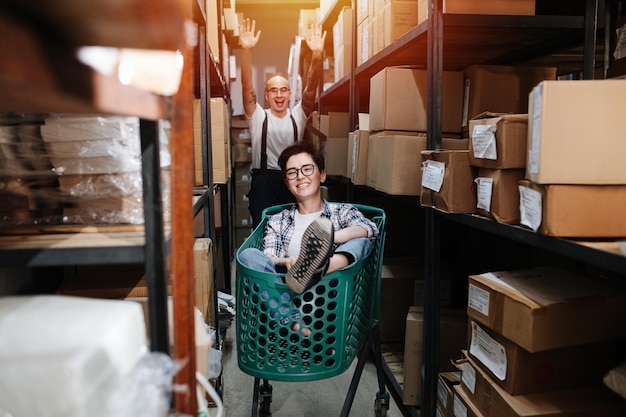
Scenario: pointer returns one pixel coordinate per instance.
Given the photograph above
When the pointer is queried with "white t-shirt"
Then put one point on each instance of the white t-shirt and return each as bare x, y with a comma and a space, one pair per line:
302, 222
279, 133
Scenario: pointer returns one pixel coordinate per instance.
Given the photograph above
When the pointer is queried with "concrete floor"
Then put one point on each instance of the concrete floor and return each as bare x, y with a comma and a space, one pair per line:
322, 398
298, 399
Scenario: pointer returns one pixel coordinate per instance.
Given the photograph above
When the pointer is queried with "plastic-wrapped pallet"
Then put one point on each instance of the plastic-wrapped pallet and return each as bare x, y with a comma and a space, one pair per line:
60, 355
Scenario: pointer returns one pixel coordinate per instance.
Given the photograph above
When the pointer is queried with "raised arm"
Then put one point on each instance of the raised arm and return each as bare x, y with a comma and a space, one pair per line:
316, 44
248, 40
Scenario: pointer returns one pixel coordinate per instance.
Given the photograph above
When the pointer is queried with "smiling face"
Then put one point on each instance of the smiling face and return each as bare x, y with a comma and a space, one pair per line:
277, 95
304, 187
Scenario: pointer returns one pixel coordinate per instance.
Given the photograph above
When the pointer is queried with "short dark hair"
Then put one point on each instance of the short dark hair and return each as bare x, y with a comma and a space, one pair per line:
298, 148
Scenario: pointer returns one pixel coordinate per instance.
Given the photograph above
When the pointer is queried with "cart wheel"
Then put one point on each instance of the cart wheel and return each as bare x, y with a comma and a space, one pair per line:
381, 405
265, 397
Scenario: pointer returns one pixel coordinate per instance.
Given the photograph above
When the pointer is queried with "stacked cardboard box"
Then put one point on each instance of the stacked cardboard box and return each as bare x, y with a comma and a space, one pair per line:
453, 336
336, 127
576, 178
243, 180
241, 142
498, 151
448, 181
531, 334
342, 44
397, 125
220, 144
505, 7
500, 89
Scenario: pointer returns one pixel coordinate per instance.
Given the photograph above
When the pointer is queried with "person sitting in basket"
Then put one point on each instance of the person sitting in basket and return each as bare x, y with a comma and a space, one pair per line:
311, 237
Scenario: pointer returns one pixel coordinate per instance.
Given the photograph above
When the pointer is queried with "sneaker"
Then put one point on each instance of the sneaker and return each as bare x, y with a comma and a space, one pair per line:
312, 263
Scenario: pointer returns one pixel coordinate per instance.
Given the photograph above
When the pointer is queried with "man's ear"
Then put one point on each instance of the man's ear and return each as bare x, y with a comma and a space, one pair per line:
323, 176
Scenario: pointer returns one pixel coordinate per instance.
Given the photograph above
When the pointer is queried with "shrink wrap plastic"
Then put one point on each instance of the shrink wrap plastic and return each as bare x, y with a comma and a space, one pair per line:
61, 355
75, 170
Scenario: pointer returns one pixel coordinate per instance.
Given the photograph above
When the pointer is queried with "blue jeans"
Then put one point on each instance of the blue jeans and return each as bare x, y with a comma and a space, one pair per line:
255, 259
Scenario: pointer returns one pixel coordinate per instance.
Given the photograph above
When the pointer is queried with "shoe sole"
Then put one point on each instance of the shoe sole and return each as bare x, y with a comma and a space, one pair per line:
319, 234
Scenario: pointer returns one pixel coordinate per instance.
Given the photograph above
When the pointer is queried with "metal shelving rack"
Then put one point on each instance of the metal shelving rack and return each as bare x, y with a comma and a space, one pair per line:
454, 42
43, 75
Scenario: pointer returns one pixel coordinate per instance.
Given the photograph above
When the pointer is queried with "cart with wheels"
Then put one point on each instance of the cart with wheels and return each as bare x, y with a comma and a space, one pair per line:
283, 336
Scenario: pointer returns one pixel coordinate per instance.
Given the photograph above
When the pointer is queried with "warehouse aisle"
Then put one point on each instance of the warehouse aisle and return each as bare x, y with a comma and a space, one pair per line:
297, 399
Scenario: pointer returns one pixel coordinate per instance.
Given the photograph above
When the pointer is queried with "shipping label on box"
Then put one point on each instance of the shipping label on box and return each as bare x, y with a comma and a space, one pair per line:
547, 307
576, 132
497, 194
448, 181
445, 392
479, 389
518, 371
575, 211
498, 140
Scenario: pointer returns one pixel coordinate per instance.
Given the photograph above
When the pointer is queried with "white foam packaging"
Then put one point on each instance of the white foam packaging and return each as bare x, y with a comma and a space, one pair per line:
59, 354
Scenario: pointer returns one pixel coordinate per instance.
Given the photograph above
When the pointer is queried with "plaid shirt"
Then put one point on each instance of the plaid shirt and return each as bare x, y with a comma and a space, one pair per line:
281, 226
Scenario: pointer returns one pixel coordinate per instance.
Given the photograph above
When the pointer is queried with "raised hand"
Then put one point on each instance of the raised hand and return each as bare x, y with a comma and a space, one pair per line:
317, 39
247, 38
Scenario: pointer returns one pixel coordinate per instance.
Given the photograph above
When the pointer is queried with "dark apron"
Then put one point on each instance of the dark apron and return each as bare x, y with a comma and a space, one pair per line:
268, 185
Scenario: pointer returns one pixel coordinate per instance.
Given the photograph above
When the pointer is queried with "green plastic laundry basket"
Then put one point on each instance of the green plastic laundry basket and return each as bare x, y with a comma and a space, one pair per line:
340, 311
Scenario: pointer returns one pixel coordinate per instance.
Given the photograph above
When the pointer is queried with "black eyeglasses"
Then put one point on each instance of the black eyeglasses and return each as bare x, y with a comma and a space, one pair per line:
307, 170
275, 90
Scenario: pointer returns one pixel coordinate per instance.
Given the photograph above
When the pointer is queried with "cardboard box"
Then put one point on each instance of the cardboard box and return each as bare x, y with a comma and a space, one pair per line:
342, 62
342, 30
498, 140
242, 217
498, 7
199, 224
241, 233
357, 156
242, 152
445, 392
396, 297
337, 155
335, 124
547, 307
497, 194
500, 89
478, 389
306, 22
575, 211
398, 17
448, 181
220, 141
363, 42
371, 171
463, 405
576, 132
398, 164
518, 371
129, 281
394, 169
453, 338
361, 10
398, 100
204, 260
